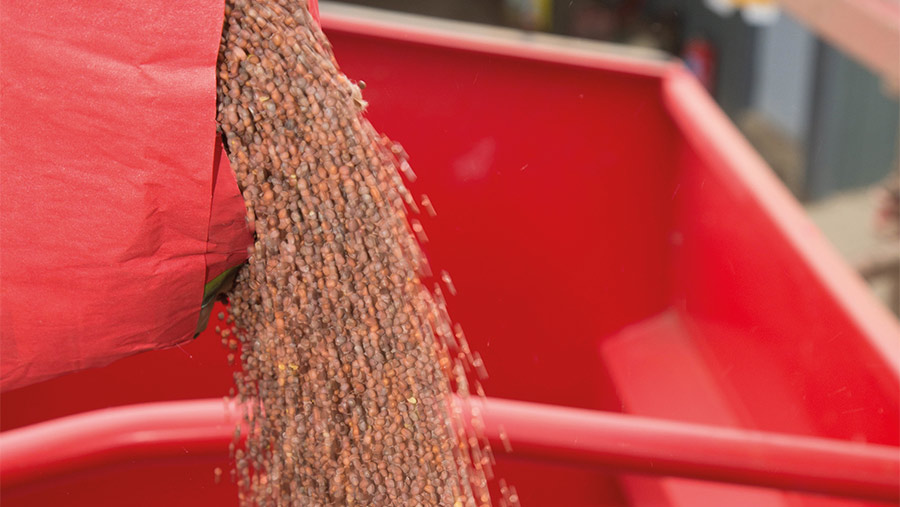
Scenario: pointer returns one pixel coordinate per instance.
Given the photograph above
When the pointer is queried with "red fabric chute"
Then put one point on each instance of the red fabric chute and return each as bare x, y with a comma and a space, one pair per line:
117, 203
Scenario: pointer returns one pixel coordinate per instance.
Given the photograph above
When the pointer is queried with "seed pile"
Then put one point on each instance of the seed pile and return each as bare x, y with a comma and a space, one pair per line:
347, 358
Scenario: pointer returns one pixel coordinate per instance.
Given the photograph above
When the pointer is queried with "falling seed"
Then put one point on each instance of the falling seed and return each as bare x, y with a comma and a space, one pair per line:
504, 439
445, 277
339, 377
408, 171
419, 230
478, 364
429, 208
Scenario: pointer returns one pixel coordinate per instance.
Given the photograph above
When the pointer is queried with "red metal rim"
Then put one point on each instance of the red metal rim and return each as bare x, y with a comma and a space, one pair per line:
202, 429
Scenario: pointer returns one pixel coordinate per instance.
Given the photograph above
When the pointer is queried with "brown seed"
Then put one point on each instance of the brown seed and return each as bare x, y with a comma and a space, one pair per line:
339, 336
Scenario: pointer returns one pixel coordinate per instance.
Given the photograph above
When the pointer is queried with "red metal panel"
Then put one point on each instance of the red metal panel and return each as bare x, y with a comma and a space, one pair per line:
786, 323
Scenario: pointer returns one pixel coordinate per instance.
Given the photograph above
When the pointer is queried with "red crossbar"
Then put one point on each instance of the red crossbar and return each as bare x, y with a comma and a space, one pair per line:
202, 430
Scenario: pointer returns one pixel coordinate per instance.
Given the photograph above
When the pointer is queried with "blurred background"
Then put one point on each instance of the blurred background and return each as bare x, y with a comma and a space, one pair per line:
815, 92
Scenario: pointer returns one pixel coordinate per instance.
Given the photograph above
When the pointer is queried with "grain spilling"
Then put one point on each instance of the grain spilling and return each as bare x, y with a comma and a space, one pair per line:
348, 357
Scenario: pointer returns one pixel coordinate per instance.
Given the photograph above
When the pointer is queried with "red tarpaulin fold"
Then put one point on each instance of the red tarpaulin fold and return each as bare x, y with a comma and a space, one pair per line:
116, 200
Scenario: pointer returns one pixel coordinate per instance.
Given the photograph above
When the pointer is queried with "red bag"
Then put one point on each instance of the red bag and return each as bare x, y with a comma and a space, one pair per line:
117, 203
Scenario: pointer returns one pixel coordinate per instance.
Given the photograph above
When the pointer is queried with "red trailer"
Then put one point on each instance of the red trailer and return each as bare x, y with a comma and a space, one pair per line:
661, 323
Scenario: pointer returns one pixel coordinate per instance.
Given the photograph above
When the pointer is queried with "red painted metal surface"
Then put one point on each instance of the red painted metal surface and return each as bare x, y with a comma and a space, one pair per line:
201, 430
654, 446
179, 431
616, 246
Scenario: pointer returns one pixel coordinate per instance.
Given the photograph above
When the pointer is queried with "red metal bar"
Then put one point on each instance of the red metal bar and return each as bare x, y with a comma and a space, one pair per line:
643, 445
338, 17
180, 431
202, 429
